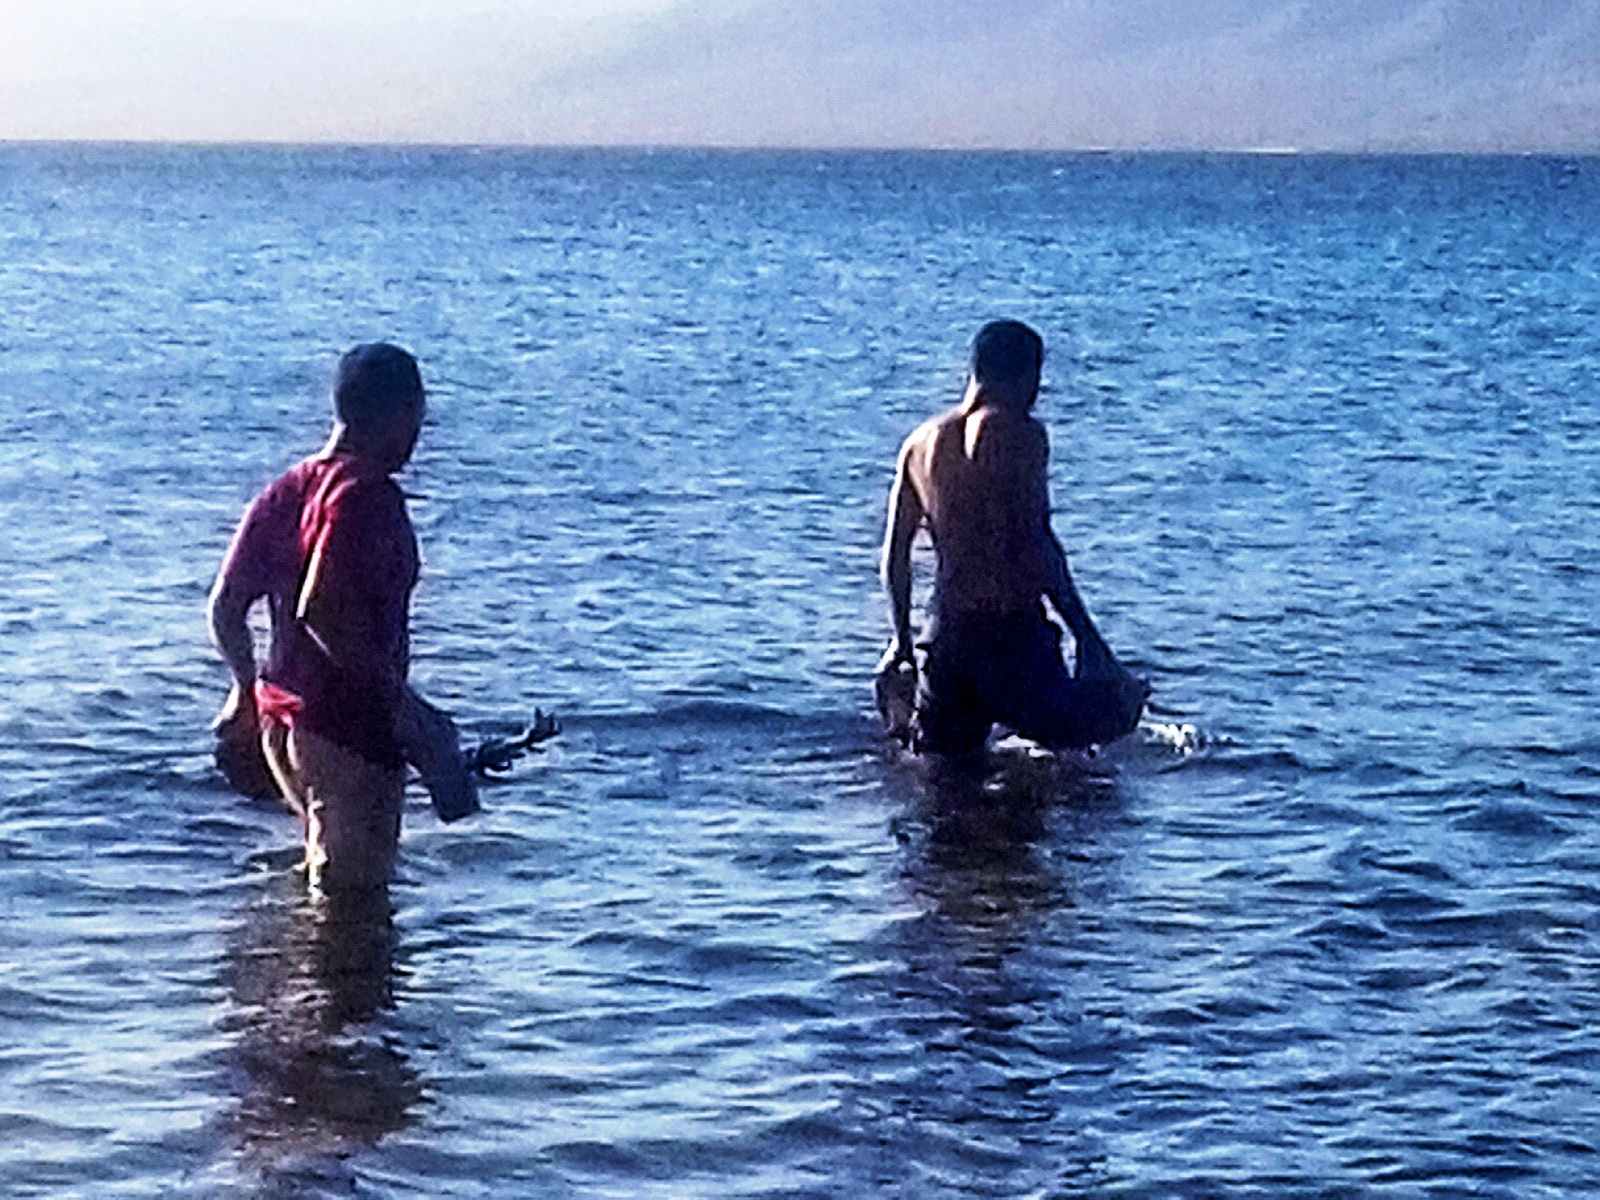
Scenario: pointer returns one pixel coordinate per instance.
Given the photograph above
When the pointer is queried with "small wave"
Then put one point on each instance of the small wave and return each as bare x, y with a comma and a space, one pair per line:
23, 1128
1512, 928
721, 713
712, 715
1408, 865
1226, 757
1341, 931
1512, 821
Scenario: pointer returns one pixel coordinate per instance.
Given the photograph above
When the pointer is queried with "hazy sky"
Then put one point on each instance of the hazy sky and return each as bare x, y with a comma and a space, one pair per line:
1312, 74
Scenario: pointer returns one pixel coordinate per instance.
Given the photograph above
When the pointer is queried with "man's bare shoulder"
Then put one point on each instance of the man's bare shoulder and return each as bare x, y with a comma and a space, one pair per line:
928, 432
918, 448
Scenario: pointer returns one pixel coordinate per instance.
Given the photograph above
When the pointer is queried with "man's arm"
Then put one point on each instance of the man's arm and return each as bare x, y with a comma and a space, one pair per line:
905, 517
239, 585
228, 612
230, 631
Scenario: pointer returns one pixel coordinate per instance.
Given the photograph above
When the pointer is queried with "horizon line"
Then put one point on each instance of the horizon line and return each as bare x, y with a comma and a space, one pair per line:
804, 148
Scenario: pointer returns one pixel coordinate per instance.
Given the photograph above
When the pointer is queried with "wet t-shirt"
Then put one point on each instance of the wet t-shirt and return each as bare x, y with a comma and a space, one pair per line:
327, 525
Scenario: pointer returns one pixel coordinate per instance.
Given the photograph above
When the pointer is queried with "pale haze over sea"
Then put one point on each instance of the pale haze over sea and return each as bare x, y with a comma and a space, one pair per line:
1352, 75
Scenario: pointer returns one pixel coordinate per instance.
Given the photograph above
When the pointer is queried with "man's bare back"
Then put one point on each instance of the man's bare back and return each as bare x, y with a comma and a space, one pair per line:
978, 475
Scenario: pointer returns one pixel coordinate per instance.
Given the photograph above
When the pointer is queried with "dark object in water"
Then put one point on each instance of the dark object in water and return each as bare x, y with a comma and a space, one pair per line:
432, 744
428, 737
239, 757
495, 756
1113, 696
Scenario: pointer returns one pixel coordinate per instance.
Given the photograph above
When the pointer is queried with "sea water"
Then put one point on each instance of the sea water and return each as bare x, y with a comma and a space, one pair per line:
1325, 461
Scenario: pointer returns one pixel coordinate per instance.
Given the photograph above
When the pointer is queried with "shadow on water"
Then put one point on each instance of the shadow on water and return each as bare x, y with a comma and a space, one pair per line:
978, 1005
315, 1073
1000, 810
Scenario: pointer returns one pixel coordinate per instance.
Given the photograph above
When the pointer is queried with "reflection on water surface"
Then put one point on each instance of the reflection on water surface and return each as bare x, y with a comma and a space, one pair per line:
315, 1068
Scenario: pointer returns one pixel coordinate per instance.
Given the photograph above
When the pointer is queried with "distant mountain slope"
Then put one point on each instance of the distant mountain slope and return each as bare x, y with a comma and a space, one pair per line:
1351, 75
1226, 74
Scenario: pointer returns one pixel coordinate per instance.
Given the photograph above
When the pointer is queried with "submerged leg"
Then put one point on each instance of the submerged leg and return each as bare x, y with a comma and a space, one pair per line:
351, 809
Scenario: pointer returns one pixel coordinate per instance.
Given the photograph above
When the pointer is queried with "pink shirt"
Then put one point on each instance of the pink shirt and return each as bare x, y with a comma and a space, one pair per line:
354, 528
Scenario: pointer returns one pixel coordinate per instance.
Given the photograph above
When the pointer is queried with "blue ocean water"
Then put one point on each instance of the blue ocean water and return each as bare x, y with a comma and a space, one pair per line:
1325, 463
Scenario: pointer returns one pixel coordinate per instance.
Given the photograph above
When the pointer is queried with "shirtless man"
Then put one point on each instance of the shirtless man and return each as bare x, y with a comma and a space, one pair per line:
977, 477
330, 546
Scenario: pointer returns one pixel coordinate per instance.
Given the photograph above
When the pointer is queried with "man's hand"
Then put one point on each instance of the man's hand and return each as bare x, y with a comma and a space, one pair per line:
901, 650
894, 689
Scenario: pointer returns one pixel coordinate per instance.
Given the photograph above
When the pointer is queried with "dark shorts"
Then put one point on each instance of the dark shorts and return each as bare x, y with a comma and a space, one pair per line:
978, 670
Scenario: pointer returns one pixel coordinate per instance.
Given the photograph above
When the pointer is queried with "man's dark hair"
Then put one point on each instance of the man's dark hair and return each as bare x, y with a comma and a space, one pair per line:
375, 381
1006, 352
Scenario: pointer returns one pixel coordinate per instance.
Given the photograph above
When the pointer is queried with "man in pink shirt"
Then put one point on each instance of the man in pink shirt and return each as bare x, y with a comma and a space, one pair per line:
330, 547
